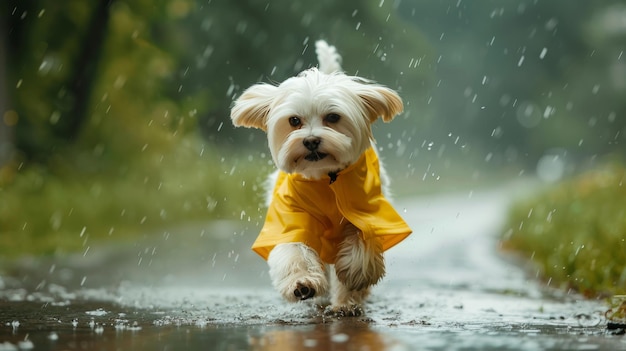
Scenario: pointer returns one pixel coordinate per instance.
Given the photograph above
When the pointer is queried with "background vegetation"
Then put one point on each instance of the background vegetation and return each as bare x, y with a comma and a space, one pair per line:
114, 114
574, 232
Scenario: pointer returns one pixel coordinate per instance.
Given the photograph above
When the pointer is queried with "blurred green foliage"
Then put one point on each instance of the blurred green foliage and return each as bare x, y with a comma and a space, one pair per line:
575, 233
117, 105
117, 111
45, 212
617, 311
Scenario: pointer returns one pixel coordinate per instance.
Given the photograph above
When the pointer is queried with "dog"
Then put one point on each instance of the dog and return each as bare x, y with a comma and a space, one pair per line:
328, 220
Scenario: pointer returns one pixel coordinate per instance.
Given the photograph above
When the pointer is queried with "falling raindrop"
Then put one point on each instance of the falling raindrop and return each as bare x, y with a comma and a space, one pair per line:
548, 111
595, 89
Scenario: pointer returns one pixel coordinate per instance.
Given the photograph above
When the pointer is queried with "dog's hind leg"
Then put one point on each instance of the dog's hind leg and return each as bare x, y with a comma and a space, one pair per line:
360, 263
297, 272
345, 302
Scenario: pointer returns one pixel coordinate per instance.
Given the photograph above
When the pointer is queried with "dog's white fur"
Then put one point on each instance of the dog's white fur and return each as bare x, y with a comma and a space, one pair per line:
335, 111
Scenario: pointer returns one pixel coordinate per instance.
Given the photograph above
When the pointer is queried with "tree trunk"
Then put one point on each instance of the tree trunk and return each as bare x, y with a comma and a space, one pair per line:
7, 119
82, 83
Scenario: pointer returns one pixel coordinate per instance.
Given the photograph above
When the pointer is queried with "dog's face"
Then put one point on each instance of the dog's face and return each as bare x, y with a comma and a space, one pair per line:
316, 123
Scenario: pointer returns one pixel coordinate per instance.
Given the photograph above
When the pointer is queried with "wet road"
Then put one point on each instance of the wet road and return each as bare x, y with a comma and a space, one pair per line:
201, 288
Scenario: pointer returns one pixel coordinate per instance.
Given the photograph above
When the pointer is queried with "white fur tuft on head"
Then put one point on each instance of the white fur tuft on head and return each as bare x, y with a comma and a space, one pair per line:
328, 58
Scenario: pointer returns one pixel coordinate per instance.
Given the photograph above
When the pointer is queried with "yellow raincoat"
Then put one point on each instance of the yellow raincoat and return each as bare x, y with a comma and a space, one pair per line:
315, 212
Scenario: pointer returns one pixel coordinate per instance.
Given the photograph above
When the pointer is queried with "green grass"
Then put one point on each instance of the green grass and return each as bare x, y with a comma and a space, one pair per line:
617, 309
575, 232
45, 212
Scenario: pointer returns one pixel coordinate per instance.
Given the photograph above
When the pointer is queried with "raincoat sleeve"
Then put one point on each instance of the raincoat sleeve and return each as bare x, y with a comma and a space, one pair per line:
287, 222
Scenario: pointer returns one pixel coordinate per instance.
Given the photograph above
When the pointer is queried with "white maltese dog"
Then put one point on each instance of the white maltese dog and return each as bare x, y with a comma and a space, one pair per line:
327, 205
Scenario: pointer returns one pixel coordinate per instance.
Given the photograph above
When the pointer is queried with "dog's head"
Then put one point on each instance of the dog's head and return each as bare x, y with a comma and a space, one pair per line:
316, 123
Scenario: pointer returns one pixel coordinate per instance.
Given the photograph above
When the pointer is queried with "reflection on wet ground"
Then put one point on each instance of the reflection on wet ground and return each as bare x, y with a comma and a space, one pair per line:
446, 289
85, 325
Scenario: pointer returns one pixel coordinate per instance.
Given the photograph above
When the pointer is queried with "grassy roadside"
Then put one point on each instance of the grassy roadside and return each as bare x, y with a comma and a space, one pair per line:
42, 212
575, 232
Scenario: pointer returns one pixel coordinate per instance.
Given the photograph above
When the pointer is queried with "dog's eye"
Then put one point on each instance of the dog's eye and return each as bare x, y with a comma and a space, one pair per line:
332, 118
295, 121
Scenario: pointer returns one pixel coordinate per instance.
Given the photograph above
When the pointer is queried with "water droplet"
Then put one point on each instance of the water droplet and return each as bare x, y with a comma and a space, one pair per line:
309, 343
548, 111
595, 89
340, 338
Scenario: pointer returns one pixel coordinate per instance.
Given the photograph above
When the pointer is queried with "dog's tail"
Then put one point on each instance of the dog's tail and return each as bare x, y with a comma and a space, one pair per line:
327, 56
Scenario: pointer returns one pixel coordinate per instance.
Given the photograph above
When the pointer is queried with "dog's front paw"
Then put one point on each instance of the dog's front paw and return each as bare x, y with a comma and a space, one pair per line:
344, 311
297, 272
304, 288
303, 291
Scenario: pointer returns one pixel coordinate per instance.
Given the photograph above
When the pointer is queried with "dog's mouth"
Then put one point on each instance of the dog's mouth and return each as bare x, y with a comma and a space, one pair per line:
315, 156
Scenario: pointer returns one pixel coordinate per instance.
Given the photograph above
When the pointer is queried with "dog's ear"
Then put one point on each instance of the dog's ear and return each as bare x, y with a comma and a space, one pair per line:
380, 101
252, 107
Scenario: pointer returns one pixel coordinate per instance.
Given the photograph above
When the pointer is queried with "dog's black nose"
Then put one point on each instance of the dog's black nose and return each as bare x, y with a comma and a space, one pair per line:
311, 143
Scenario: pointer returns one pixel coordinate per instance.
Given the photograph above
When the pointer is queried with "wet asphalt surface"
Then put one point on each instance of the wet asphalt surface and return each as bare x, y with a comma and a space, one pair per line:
201, 288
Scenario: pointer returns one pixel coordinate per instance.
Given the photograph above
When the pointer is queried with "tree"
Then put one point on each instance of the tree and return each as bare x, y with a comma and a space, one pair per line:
53, 51
6, 115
